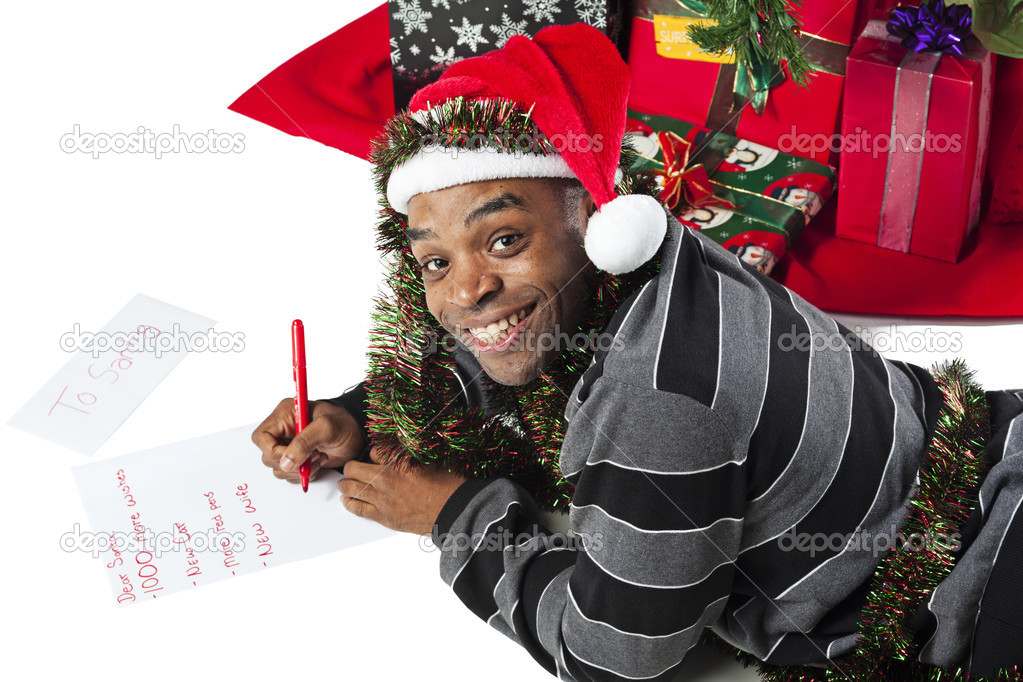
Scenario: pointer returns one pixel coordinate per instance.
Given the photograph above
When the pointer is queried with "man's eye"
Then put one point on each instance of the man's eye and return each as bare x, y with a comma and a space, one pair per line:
500, 244
427, 264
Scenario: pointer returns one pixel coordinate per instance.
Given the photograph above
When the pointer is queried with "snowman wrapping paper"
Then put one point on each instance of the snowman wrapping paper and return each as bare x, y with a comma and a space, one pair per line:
763, 198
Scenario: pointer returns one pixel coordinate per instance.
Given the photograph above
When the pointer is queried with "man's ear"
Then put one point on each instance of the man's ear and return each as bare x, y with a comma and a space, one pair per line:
587, 207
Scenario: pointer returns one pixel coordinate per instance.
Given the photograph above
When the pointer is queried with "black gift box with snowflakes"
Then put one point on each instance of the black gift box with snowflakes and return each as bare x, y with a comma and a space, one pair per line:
427, 36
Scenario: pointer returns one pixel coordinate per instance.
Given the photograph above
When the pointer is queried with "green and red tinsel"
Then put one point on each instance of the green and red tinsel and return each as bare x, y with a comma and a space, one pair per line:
415, 416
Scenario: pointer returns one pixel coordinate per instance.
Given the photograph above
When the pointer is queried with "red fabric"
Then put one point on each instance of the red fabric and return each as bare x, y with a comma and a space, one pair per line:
576, 84
338, 91
846, 276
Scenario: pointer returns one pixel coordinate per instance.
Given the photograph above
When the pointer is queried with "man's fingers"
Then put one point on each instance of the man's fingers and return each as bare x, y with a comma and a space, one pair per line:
316, 466
354, 489
294, 476
270, 432
361, 471
264, 441
269, 461
359, 507
285, 476
299, 449
322, 433
272, 458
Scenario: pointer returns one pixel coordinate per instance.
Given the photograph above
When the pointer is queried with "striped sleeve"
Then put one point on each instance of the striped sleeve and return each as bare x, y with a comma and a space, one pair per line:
646, 571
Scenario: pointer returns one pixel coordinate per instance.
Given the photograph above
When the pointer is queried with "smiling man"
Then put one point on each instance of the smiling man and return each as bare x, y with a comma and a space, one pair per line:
741, 463
502, 268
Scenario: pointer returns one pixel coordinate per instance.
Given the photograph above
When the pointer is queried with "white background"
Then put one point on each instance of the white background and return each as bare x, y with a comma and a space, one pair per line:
253, 240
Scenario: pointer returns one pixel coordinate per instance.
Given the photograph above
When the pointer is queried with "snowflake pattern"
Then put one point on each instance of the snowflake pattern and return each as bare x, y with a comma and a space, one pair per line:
442, 57
419, 49
507, 29
593, 12
541, 10
412, 15
793, 162
469, 34
747, 219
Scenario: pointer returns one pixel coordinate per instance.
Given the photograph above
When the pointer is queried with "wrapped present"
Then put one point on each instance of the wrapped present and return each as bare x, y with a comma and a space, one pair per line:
427, 37
751, 199
673, 77
1005, 153
915, 131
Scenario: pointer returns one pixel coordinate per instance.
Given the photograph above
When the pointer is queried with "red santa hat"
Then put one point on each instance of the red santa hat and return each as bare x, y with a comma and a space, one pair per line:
574, 85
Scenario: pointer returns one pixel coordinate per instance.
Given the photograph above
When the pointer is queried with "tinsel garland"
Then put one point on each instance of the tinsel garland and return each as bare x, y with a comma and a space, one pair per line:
414, 416
946, 495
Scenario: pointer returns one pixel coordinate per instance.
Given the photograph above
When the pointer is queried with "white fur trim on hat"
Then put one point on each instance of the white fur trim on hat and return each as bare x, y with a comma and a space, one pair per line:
625, 233
436, 167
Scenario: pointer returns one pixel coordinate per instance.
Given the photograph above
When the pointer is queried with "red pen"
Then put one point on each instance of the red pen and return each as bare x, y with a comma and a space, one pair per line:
301, 392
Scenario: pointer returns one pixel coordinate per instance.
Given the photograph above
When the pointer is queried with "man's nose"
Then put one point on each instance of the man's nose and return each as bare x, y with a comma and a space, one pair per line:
471, 283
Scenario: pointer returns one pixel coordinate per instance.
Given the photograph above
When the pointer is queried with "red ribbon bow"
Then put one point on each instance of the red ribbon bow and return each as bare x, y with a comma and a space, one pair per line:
684, 186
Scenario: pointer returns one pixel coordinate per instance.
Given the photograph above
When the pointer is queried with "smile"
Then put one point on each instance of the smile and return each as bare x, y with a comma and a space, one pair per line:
498, 336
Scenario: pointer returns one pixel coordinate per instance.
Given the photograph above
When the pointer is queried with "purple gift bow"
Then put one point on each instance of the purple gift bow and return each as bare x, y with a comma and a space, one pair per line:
932, 26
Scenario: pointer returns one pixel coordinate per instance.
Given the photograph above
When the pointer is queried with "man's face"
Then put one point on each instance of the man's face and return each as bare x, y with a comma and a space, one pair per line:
492, 250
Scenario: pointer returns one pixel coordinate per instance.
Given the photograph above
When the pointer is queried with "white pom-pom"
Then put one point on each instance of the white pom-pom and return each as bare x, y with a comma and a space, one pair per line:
625, 233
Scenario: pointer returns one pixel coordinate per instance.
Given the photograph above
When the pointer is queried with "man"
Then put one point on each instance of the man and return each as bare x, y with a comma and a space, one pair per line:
716, 448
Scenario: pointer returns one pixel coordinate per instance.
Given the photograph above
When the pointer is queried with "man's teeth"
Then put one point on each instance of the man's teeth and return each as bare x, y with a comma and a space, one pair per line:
496, 332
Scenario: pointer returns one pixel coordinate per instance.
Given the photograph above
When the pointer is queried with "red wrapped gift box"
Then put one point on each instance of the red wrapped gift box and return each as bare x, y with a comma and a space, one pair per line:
914, 131
691, 89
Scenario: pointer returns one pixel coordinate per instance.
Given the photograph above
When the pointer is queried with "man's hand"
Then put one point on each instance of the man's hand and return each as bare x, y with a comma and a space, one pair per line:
409, 502
332, 438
